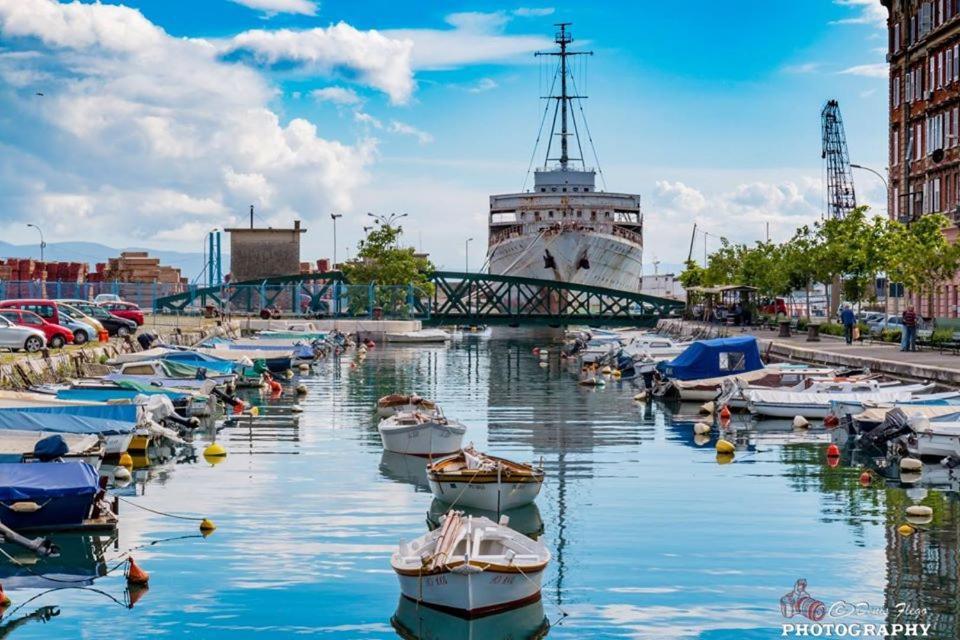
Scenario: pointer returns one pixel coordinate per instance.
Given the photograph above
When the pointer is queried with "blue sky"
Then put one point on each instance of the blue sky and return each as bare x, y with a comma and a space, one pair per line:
161, 119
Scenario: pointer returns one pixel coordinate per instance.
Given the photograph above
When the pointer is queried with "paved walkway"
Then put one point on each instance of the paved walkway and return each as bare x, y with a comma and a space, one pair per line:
878, 356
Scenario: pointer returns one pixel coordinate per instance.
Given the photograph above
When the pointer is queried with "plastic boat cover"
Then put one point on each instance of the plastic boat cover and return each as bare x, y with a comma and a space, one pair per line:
40, 481
931, 412
714, 359
103, 419
773, 396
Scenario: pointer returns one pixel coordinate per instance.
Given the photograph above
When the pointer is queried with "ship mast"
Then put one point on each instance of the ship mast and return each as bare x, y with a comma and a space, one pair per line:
564, 100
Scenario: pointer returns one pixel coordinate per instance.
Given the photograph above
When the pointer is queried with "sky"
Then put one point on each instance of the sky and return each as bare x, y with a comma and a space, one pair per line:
150, 122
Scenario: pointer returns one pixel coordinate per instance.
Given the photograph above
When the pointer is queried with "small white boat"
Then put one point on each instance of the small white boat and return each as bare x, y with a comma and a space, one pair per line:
17, 446
474, 479
404, 403
471, 566
933, 439
422, 336
787, 404
421, 434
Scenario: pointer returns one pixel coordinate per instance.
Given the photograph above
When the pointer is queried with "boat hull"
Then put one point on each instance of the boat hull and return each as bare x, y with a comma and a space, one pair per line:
934, 445
425, 440
490, 496
473, 594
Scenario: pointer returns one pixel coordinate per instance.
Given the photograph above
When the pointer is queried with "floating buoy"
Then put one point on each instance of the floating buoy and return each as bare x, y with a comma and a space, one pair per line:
4, 598
833, 451
126, 460
288, 374
275, 388
707, 407
910, 477
304, 367
301, 389
254, 411
606, 371
724, 458
544, 365
919, 511
207, 527
833, 461
536, 351
866, 479
135, 592
134, 574
910, 464
121, 473
700, 440
640, 397
701, 428
799, 422
214, 450
725, 446
616, 373
905, 530
724, 412
831, 421
296, 409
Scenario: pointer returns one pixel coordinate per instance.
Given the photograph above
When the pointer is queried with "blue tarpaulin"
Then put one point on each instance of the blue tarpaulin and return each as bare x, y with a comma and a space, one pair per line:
714, 358
84, 419
41, 481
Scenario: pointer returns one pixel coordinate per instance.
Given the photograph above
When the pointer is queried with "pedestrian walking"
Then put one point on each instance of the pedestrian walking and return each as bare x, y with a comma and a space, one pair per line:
909, 336
849, 321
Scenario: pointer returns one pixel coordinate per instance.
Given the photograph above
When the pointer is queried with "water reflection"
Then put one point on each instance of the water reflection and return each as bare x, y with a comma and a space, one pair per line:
413, 622
406, 469
81, 560
525, 519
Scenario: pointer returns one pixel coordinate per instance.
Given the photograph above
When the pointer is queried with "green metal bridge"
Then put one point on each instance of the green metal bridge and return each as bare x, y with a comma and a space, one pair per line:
453, 298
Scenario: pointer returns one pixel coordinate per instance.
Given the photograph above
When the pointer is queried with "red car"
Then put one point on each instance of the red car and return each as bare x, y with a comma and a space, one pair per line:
57, 336
127, 310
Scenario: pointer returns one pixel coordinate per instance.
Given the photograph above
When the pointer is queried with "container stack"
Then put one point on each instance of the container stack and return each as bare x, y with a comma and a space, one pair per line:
25, 270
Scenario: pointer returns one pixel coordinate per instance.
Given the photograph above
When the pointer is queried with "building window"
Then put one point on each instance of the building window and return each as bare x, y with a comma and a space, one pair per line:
895, 47
896, 202
895, 151
895, 92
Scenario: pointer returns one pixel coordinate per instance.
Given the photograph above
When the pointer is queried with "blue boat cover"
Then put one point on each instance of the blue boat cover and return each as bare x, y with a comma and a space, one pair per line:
714, 358
39, 481
84, 419
51, 448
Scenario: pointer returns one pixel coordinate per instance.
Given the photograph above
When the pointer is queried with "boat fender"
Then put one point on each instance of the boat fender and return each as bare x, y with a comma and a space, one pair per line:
799, 422
725, 446
544, 354
866, 479
121, 473
701, 428
724, 412
4, 599
544, 365
207, 527
910, 464
134, 574
606, 371
26, 507
919, 511
833, 451
288, 374
616, 373
909, 477
296, 409
304, 367
700, 439
214, 450
707, 407
126, 460
301, 389
905, 530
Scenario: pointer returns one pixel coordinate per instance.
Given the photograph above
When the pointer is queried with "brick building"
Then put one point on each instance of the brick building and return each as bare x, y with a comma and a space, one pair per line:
924, 142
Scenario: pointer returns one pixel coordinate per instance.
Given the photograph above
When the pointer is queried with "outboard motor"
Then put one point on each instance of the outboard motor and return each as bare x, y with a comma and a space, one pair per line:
146, 340
894, 425
50, 448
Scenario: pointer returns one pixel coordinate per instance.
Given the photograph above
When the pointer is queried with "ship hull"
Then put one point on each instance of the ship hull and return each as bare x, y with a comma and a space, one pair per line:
578, 256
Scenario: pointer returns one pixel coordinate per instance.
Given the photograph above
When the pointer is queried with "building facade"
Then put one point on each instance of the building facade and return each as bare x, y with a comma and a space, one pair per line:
261, 253
924, 141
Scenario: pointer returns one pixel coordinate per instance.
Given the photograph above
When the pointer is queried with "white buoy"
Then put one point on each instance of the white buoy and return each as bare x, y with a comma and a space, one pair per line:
701, 428
919, 511
301, 389
799, 422
910, 464
304, 367
121, 473
707, 407
544, 365
296, 409
910, 477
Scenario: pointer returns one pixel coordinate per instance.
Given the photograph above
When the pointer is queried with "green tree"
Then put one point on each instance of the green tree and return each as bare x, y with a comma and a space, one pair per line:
693, 275
919, 254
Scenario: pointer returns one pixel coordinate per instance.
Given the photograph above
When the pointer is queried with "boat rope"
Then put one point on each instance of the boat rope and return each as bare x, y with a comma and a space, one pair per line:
586, 126
9, 613
536, 145
159, 513
563, 613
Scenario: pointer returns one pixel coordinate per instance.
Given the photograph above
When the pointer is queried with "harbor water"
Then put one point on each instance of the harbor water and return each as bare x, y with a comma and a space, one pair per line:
650, 536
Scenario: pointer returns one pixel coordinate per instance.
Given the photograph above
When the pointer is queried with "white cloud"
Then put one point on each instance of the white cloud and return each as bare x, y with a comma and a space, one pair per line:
409, 130
378, 60
878, 70
481, 85
802, 68
478, 21
272, 7
871, 12
367, 119
146, 136
336, 95
527, 12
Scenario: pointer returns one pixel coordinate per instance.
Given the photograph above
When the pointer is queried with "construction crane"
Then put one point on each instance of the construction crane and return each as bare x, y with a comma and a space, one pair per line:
841, 198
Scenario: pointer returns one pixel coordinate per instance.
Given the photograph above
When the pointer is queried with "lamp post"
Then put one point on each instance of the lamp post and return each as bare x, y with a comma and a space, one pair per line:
334, 216
387, 220
466, 255
43, 245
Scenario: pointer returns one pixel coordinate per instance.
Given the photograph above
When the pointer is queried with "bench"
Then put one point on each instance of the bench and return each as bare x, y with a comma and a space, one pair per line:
925, 336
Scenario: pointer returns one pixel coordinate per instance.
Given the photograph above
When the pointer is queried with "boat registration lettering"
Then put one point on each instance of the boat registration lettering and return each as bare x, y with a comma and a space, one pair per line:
502, 579
434, 581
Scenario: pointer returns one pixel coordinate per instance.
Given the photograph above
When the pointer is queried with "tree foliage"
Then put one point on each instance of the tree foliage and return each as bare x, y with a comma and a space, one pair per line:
381, 260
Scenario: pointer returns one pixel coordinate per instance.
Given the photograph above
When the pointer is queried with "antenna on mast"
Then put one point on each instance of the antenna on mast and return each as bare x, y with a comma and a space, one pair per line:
564, 106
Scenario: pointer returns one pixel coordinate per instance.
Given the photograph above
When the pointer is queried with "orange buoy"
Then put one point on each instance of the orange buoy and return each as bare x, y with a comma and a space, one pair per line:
238, 407
833, 451
4, 599
831, 421
724, 412
275, 388
135, 592
865, 479
134, 574
833, 461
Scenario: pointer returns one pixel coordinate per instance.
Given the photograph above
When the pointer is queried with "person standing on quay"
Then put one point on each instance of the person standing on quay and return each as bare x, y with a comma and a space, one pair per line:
848, 320
909, 318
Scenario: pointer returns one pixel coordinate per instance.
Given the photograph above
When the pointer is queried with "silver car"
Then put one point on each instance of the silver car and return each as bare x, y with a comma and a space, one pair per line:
15, 337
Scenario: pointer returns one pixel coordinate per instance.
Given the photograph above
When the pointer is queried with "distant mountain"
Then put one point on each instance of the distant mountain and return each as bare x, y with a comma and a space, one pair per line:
190, 264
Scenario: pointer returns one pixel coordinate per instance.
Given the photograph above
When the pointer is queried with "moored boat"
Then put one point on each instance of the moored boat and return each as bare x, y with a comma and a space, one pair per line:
426, 336
51, 496
24, 446
478, 480
471, 566
421, 434
114, 423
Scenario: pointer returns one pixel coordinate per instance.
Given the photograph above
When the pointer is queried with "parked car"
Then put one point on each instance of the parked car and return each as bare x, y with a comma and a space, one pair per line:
892, 321
127, 310
53, 312
114, 325
55, 334
107, 297
15, 338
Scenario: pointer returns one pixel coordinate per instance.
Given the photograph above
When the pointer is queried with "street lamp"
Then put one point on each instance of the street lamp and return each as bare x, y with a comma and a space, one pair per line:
466, 255
334, 216
874, 172
387, 220
43, 245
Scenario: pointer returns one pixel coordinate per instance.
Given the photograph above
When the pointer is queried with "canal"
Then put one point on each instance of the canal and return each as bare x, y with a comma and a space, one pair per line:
651, 537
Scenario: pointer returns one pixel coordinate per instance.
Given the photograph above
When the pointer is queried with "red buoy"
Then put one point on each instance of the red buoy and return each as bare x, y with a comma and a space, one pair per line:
275, 388
865, 479
833, 451
725, 412
833, 461
831, 421
134, 574
238, 407
536, 351
4, 599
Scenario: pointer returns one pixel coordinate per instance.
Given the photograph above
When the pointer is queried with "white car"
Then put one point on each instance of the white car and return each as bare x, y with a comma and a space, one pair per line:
107, 297
15, 337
